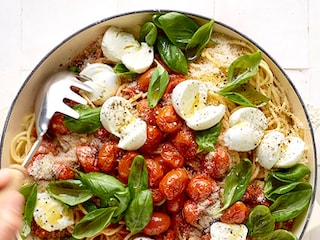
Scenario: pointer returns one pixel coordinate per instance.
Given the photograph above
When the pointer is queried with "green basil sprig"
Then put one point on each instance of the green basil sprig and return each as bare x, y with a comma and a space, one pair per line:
281, 234
178, 27
236, 183
291, 204
93, 222
295, 173
240, 72
29, 192
139, 212
172, 55
148, 33
260, 222
138, 176
88, 122
207, 138
141, 207
157, 86
71, 192
199, 41
122, 70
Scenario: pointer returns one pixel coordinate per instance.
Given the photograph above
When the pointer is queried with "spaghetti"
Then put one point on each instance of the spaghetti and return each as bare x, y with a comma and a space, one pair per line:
210, 68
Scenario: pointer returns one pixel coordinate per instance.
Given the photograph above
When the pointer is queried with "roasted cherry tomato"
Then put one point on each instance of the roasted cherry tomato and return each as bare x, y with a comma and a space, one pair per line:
236, 213
216, 163
154, 138
191, 211
168, 120
125, 165
200, 187
46, 147
144, 80
108, 156
88, 157
157, 195
155, 172
254, 195
158, 224
186, 144
176, 204
174, 183
57, 126
63, 171
149, 115
171, 157
175, 79
101, 133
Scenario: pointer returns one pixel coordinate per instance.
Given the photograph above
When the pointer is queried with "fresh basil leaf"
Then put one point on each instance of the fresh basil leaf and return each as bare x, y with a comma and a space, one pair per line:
71, 192
138, 176
29, 192
171, 55
292, 174
139, 211
281, 234
241, 71
101, 185
157, 86
122, 70
123, 199
285, 188
293, 203
260, 222
246, 95
93, 223
88, 122
89, 206
236, 183
148, 33
199, 41
178, 27
207, 138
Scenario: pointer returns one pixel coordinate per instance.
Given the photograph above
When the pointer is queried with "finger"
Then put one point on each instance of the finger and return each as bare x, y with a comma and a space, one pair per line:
5, 177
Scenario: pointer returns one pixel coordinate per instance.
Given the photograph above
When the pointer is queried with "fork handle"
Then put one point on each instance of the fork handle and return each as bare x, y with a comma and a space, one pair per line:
32, 151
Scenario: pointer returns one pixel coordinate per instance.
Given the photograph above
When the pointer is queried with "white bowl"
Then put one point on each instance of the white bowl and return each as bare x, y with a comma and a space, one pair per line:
61, 55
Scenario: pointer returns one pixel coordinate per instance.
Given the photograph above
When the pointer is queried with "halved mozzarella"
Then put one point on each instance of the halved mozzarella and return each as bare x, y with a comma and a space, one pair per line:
118, 45
268, 152
224, 231
103, 81
139, 60
189, 101
292, 149
50, 214
247, 126
116, 116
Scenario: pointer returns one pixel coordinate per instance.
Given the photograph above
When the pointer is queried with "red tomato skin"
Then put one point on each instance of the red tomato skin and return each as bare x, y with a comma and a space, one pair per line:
64, 172
200, 187
108, 156
125, 165
237, 213
154, 138
149, 115
158, 224
101, 133
155, 172
171, 157
175, 205
144, 80
185, 142
168, 121
216, 164
56, 125
191, 211
157, 195
88, 157
47, 147
174, 183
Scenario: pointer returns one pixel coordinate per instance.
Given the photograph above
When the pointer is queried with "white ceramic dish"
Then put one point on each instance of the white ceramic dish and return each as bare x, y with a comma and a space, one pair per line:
61, 55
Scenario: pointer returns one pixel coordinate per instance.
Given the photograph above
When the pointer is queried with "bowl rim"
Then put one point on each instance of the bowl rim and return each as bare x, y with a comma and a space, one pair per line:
194, 15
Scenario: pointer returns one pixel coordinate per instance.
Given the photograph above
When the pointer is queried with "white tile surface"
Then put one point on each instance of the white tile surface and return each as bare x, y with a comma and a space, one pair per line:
288, 29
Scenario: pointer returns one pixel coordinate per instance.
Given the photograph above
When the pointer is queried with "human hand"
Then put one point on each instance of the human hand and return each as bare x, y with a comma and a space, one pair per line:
11, 202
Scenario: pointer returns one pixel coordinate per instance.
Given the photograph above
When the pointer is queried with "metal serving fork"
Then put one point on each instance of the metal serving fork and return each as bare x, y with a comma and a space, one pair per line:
50, 101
